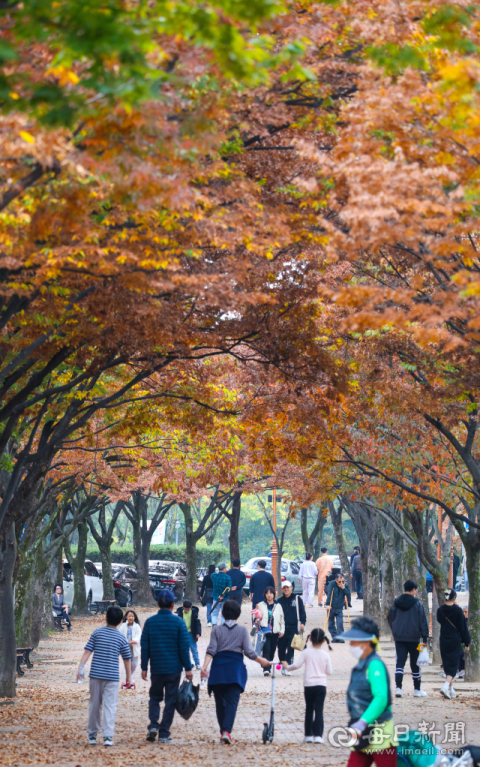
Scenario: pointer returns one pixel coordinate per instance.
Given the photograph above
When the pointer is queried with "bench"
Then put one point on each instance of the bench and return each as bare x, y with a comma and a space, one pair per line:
59, 621
23, 656
101, 607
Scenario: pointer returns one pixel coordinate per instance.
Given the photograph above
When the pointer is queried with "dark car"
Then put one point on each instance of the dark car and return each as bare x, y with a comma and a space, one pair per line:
168, 575
125, 583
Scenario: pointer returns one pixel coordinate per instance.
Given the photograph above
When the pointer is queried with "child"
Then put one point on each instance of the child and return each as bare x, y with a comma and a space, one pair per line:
317, 668
131, 630
189, 613
106, 644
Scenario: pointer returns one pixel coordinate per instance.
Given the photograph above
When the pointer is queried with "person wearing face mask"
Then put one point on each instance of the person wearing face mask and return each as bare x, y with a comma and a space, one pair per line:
369, 700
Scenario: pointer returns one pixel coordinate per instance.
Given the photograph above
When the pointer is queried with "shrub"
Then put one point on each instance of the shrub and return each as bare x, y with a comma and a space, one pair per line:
206, 555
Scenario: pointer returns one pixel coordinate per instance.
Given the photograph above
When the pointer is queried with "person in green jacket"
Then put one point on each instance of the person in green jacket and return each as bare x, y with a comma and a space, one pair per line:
369, 700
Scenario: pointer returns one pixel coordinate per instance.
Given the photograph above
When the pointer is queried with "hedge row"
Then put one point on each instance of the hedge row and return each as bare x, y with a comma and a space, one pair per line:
206, 555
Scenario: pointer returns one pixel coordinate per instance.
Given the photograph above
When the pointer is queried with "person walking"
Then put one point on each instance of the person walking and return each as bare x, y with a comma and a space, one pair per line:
272, 625
221, 589
356, 573
131, 630
453, 633
206, 593
228, 645
189, 613
317, 668
337, 594
60, 607
239, 580
369, 700
259, 582
106, 644
308, 575
166, 645
295, 620
324, 567
408, 623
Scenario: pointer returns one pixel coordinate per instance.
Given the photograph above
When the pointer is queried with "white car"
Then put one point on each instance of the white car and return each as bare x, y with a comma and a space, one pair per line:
290, 570
93, 583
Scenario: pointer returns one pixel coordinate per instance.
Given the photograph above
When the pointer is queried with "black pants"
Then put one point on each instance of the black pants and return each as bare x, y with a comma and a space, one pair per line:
403, 650
227, 697
358, 581
270, 646
163, 685
237, 596
285, 651
314, 700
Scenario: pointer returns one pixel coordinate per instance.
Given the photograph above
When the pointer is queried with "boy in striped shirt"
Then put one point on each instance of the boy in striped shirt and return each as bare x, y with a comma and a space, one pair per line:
106, 644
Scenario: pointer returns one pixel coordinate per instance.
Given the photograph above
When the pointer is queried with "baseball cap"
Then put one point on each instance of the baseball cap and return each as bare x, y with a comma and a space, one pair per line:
166, 596
287, 584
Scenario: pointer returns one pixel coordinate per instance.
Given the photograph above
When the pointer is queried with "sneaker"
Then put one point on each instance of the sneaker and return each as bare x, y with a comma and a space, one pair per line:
445, 691
308, 738
198, 667
165, 740
92, 740
285, 672
266, 672
398, 692
226, 738
420, 694
209, 625
318, 739
453, 694
460, 674
108, 741
152, 734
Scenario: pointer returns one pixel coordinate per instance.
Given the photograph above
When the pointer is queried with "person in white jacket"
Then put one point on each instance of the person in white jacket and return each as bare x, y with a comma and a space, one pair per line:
272, 624
308, 575
131, 630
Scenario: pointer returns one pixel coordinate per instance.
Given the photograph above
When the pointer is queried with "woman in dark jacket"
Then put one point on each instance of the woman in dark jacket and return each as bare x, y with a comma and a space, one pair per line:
228, 675
206, 593
453, 632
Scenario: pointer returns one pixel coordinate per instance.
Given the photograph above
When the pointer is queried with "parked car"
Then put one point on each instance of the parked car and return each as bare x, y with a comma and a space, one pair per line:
93, 583
290, 570
168, 575
125, 582
201, 573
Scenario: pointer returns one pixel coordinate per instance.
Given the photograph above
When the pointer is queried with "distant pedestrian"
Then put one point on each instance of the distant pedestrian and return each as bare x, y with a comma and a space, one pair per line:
206, 593
456, 567
338, 594
308, 575
166, 644
272, 625
189, 613
106, 644
239, 580
324, 567
131, 630
356, 572
60, 607
453, 633
259, 582
295, 620
369, 700
228, 675
221, 590
317, 668
408, 623
356, 550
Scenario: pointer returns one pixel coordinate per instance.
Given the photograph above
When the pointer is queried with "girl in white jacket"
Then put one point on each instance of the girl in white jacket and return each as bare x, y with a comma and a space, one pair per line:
130, 628
272, 624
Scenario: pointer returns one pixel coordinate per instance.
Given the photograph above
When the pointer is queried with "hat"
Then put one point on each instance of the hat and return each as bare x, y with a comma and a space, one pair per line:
357, 635
286, 584
165, 595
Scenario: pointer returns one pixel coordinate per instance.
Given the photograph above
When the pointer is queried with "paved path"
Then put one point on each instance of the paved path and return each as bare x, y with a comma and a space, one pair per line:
47, 723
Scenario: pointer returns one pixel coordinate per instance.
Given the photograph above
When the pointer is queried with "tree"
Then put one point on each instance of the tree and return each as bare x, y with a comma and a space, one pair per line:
103, 538
311, 541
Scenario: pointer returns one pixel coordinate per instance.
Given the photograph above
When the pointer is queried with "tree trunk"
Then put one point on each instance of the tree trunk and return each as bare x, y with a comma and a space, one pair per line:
8, 643
106, 559
435, 628
144, 594
77, 564
371, 594
191, 552
234, 517
336, 517
48, 579
473, 570
388, 593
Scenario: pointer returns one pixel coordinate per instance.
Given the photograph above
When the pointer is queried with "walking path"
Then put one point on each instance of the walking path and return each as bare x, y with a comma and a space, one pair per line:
46, 725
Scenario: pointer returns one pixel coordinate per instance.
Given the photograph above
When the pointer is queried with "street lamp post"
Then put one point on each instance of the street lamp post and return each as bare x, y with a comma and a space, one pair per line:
177, 528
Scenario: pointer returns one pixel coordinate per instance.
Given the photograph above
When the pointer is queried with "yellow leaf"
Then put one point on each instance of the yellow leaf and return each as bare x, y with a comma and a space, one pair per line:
27, 137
